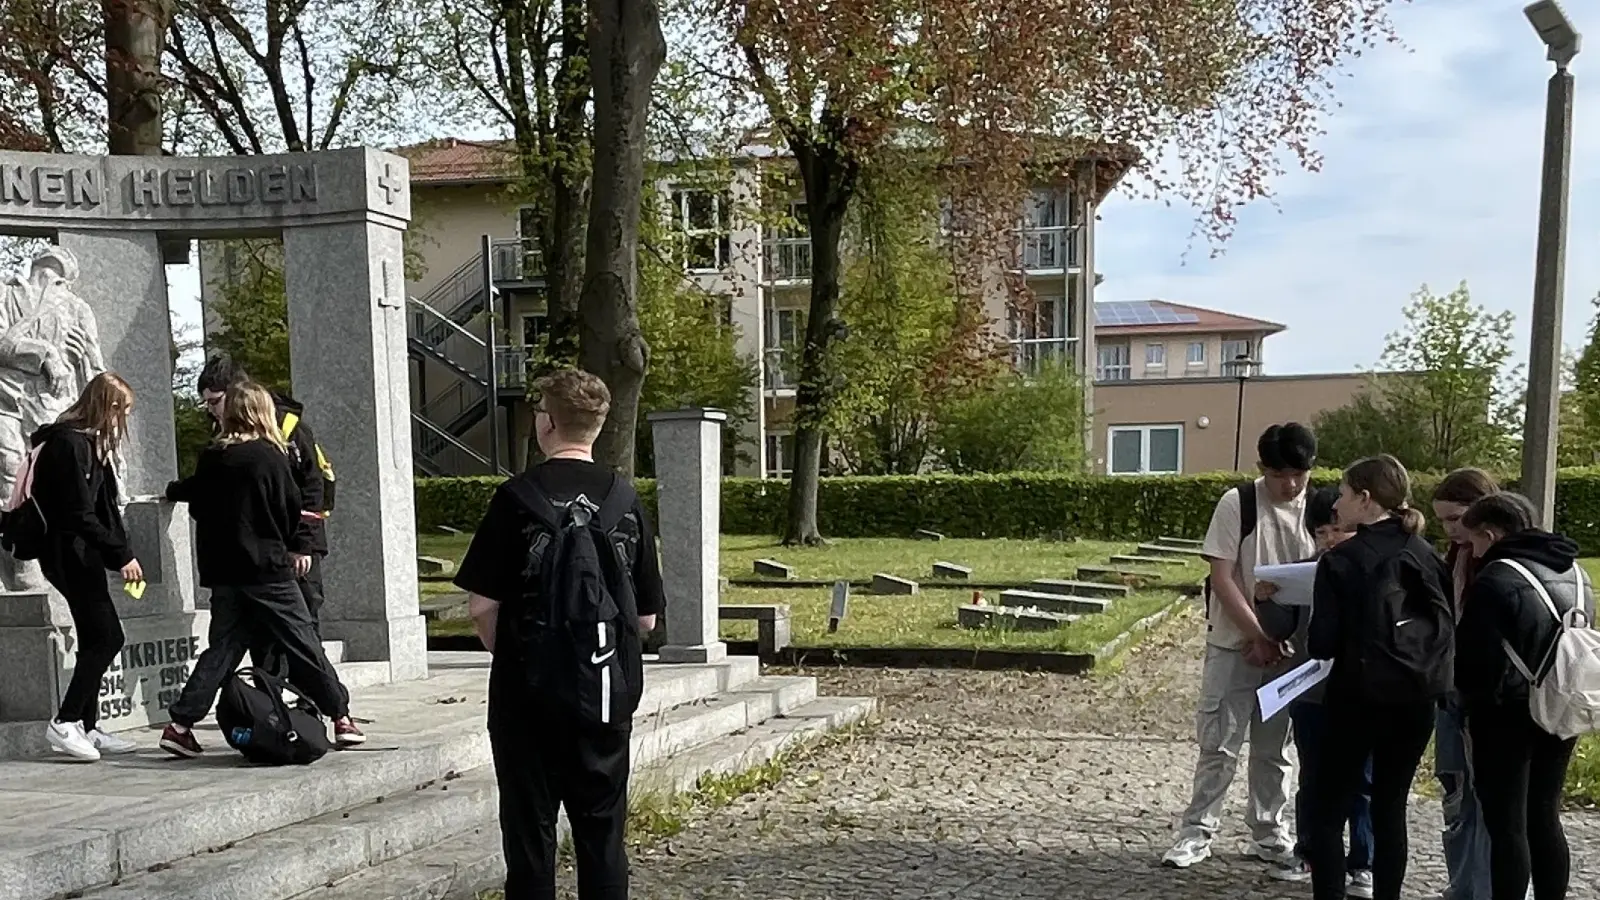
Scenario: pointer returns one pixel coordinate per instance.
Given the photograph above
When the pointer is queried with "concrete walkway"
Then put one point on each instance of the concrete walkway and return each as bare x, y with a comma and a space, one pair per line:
1002, 786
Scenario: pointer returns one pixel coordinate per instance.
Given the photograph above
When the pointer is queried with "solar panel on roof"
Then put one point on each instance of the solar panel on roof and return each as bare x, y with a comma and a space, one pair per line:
1122, 313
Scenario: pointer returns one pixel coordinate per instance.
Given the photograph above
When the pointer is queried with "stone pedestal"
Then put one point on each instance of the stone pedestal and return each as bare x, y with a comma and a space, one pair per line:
164, 633
347, 344
688, 447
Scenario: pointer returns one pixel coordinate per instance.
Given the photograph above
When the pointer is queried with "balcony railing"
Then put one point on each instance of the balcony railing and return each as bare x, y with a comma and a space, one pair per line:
515, 259
1050, 249
1032, 355
511, 364
782, 368
788, 259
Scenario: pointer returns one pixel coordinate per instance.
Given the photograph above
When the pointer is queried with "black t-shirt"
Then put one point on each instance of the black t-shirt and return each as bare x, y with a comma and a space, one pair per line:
498, 555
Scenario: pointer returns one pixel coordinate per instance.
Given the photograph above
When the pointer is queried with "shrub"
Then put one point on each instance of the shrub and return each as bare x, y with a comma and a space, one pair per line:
1016, 505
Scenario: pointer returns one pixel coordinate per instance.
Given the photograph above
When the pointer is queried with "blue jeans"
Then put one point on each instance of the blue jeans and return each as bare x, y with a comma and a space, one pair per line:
1466, 841
1310, 729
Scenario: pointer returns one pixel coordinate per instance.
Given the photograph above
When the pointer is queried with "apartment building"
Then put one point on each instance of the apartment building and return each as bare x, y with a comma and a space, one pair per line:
1157, 339
463, 368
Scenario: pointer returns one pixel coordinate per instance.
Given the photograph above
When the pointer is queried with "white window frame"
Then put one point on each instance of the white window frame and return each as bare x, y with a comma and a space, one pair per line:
774, 466
1235, 342
1144, 447
1124, 369
522, 330
1188, 354
721, 230
1156, 360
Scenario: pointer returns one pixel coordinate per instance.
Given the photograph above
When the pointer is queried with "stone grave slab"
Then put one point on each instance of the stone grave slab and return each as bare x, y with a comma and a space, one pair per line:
951, 571
771, 568
1168, 550
433, 565
1125, 559
1112, 575
975, 616
451, 607
1179, 542
1058, 603
1080, 588
884, 583
923, 534
450, 530
840, 605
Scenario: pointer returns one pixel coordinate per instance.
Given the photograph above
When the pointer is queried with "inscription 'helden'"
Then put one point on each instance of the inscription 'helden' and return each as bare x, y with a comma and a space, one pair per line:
56, 186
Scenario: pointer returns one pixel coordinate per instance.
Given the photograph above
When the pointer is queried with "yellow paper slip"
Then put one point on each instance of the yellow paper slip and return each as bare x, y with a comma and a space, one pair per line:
135, 589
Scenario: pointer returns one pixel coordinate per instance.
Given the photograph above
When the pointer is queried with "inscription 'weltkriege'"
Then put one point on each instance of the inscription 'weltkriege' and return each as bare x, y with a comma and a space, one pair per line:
81, 187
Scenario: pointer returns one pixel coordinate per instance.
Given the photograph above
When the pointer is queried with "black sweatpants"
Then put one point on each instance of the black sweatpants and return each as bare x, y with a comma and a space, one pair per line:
267, 654
99, 634
241, 617
1520, 769
544, 760
1394, 735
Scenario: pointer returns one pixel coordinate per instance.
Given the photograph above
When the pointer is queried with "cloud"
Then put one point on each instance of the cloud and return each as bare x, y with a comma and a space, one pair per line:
1431, 175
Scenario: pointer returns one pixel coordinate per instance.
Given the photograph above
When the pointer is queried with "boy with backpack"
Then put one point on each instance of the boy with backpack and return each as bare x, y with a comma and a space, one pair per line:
1261, 522
564, 580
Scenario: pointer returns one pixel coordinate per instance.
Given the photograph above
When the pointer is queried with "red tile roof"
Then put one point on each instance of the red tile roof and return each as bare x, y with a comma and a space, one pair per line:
1198, 320
458, 161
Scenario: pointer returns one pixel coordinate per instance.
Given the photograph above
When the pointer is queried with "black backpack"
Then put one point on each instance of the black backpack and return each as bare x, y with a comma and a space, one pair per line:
256, 722
576, 632
1408, 643
23, 529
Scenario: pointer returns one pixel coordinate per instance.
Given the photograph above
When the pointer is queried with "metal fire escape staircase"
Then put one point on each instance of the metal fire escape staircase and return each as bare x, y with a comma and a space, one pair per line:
441, 334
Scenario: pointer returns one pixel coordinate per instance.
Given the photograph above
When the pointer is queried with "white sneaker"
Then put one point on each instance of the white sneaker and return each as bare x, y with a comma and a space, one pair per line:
1267, 853
1297, 871
1186, 852
110, 743
68, 738
1360, 884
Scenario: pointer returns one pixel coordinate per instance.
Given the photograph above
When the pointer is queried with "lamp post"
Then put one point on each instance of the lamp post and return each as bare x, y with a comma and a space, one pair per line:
1544, 373
1242, 367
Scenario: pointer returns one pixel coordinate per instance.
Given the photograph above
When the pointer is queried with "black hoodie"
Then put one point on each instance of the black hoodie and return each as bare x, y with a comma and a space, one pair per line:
307, 474
243, 498
1501, 604
77, 493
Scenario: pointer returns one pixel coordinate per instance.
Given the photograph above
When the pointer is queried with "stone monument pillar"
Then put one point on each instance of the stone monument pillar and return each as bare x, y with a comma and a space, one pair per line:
688, 445
347, 349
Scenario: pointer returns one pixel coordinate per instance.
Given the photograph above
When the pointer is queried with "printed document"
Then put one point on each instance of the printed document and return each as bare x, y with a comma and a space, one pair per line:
1294, 581
1281, 691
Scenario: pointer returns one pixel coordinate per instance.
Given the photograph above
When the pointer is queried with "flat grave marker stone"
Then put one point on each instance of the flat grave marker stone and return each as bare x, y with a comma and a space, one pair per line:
1122, 559
884, 583
1079, 588
923, 534
951, 571
971, 616
1054, 602
771, 568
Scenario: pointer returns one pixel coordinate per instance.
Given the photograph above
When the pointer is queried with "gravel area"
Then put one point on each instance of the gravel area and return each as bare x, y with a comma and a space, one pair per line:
995, 786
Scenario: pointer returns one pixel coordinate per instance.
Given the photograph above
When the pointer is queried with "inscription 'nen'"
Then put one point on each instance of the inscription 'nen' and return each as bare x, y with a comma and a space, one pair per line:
229, 187
50, 186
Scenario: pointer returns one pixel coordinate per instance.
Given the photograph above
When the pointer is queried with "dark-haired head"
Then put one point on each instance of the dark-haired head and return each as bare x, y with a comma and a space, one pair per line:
219, 374
1496, 516
1322, 519
1459, 490
1286, 454
1376, 488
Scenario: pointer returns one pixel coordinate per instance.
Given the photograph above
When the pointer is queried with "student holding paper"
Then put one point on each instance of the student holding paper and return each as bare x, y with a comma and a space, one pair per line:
1309, 720
1260, 522
1382, 613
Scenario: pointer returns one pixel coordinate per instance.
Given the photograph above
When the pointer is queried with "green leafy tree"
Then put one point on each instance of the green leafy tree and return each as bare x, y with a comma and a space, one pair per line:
253, 310
1012, 423
1446, 395
1579, 438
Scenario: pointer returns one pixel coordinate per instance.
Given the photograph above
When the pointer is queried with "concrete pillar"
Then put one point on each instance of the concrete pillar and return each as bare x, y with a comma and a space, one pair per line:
688, 447
121, 277
347, 347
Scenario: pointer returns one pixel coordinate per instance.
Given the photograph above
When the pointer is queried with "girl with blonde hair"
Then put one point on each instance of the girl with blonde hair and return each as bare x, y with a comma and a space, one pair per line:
250, 550
72, 481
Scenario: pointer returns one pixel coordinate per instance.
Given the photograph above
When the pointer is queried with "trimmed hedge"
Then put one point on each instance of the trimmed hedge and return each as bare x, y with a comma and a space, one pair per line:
1015, 505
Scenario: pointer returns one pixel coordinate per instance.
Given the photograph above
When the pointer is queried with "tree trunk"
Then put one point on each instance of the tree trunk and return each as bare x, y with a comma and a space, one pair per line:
626, 50
564, 250
829, 175
136, 35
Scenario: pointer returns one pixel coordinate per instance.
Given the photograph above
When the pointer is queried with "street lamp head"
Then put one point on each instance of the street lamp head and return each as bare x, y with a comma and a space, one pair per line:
1556, 30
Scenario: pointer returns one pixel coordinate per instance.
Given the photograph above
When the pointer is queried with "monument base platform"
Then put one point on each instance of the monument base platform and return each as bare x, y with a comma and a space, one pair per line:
412, 813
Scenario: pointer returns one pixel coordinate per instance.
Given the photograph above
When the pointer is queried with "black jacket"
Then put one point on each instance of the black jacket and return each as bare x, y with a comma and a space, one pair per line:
1501, 604
307, 475
244, 499
1355, 581
77, 493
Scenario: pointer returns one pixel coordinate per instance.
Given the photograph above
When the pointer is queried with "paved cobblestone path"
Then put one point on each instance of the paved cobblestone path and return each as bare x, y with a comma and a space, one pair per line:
1000, 786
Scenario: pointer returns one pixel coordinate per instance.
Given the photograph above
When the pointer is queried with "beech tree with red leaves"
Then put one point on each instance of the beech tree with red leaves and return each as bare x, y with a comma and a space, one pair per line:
1207, 95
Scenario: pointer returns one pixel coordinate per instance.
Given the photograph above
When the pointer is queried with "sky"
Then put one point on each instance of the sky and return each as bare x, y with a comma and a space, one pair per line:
1430, 176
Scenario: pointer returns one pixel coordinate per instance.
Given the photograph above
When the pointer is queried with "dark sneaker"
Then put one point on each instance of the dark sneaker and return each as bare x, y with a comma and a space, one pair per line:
346, 734
183, 746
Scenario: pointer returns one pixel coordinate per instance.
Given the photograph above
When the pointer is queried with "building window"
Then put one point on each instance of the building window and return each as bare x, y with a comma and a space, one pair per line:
1155, 356
1047, 208
1113, 363
1197, 353
1232, 349
534, 328
703, 218
780, 455
1144, 450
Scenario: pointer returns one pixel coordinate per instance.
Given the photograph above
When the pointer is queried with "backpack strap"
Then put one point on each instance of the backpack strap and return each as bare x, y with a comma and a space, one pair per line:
618, 503
1550, 604
526, 491
1247, 512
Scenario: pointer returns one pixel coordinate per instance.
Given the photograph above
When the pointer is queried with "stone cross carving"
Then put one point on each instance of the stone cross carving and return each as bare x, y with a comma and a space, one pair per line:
49, 351
390, 186
387, 298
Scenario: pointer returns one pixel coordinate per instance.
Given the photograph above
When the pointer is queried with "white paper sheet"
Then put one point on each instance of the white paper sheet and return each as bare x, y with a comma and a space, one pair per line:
1294, 581
1281, 691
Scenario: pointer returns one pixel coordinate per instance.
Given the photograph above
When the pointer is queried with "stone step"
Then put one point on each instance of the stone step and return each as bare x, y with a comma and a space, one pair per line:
355, 844
464, 864
1057, 603
118, 818
1080, 588
1169, 550
1131, 560
1179, 542
985, 616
